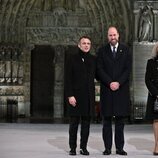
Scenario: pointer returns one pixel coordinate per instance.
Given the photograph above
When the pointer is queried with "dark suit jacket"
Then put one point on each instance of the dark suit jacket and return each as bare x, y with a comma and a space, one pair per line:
111, 69
80, 83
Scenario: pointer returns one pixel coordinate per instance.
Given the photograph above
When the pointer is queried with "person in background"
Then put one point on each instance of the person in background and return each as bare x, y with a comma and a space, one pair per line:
151, 80
113, 70
80, 93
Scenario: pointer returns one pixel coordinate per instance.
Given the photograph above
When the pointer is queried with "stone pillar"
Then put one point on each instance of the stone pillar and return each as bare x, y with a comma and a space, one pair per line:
59, 82
136, 15
155, 24
27, 71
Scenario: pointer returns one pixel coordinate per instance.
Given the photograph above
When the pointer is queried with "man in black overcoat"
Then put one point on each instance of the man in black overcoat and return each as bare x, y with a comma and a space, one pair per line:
80, 93
113, 69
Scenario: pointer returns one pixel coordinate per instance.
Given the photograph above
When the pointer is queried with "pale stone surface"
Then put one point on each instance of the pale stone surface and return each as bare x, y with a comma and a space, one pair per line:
51, 140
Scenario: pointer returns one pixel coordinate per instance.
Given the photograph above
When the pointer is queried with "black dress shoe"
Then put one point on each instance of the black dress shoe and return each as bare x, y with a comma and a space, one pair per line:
84, 152
107, 152
72, 152
121, 152
155, 153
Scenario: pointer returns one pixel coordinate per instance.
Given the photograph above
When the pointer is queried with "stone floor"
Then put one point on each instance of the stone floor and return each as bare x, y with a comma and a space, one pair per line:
27, 140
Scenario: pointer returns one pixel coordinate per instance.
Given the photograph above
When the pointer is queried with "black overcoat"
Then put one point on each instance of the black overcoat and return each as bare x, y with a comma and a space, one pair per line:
109, 69
151, 80
80, 74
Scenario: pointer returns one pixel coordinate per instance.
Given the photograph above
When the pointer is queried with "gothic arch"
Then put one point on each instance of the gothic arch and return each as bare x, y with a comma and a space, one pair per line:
101, 13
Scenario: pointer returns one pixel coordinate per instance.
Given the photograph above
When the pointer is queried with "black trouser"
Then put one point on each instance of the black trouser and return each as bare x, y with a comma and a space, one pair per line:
119, 132
73, 128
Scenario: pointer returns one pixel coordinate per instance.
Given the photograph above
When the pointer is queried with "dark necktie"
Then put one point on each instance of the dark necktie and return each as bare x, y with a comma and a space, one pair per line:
114, 52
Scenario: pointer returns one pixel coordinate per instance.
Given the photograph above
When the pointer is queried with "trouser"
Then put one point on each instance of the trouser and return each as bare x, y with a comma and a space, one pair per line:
119, 132
73, 128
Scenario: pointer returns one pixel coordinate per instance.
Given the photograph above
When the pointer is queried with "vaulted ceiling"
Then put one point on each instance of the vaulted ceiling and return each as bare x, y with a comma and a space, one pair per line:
102, 13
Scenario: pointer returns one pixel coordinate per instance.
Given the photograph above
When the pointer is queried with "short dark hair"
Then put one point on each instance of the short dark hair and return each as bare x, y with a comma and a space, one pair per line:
84, 36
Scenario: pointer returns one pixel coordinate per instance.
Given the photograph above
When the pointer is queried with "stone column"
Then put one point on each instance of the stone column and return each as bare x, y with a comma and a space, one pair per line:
155, 25
27, 71
136, 17
59, 82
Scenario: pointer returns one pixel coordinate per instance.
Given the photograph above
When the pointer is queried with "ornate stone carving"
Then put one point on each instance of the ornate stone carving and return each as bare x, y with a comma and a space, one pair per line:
56, 35
146, 20
11, 66
59, 17
145, 24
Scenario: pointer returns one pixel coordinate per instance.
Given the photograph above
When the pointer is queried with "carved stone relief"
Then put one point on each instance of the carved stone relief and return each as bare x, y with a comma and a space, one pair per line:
145, 25
64, 36
11, 64
11, 77
146, 16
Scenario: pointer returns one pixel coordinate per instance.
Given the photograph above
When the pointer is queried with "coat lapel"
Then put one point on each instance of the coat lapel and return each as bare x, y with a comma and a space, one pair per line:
119, 52
109, 52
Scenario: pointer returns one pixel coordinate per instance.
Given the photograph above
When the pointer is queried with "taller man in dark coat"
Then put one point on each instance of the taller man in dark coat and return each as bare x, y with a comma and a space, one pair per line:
80, 93
113, 68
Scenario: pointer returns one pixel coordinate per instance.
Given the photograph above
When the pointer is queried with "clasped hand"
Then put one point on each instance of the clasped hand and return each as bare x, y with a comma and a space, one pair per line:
72, 101
114, 86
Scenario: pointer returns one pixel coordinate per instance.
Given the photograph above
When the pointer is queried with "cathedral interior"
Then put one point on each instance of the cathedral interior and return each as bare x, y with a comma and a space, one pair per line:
36, 36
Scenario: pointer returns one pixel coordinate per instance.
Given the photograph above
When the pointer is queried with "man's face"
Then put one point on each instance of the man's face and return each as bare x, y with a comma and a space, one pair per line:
113, 36
85, 45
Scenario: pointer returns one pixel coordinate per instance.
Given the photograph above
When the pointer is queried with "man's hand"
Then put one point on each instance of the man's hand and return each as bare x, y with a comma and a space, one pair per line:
72, 101
114, 86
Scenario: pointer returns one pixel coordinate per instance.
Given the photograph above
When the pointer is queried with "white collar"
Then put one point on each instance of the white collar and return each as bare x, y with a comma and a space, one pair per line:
116, 46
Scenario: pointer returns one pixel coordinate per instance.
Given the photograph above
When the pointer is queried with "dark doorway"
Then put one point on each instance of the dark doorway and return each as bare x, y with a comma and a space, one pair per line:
42, 81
